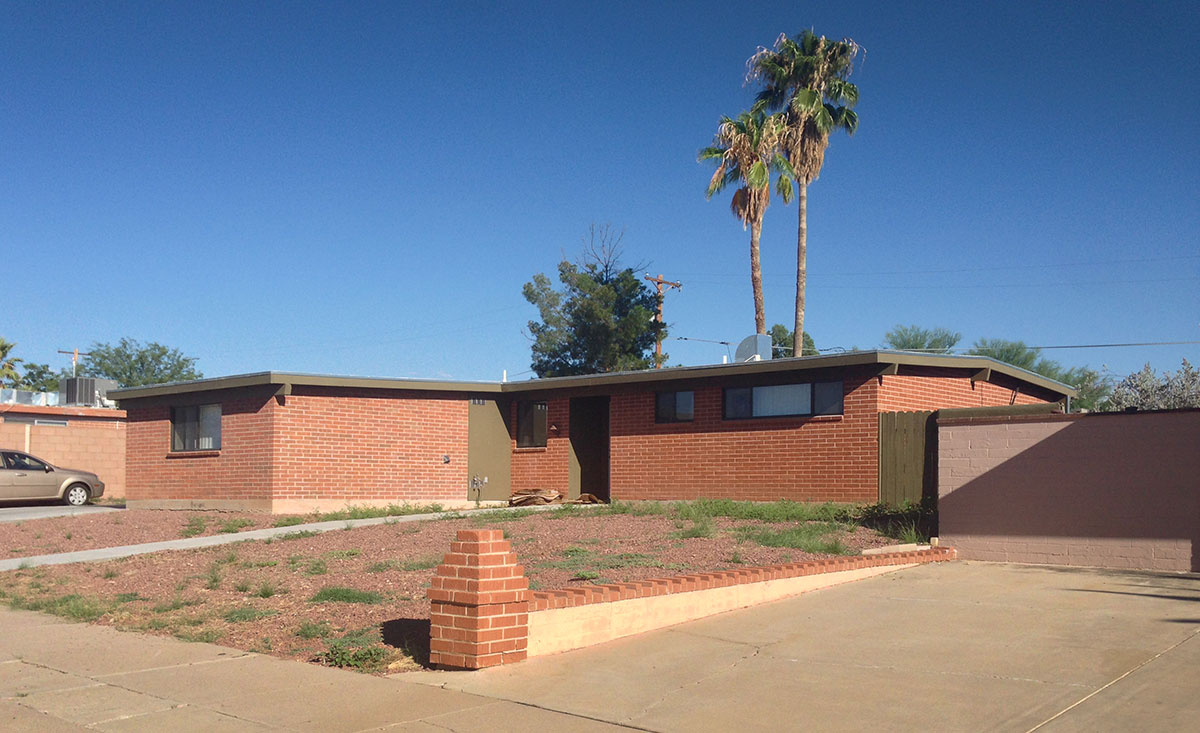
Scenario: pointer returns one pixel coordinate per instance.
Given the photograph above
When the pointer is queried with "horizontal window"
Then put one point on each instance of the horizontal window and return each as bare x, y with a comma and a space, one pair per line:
531, 424
35, 421
197, 427
674, 406
784, 400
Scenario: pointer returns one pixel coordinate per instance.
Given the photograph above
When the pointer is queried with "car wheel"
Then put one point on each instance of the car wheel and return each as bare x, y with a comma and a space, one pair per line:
77, 495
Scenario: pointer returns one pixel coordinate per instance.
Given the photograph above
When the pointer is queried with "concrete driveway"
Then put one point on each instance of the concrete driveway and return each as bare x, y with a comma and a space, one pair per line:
942, 647
14, 512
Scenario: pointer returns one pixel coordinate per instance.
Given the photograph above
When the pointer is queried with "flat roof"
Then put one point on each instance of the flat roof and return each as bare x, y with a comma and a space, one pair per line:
803, 363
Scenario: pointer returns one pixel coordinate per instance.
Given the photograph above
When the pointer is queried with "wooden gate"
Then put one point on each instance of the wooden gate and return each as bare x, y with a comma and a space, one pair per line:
907, 457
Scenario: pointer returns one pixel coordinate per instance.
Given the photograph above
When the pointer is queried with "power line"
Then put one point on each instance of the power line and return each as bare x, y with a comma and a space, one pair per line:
1065, 346
989, 268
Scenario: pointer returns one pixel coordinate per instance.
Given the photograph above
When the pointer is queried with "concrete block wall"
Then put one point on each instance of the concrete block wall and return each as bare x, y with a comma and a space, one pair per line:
92, 440
1103, 490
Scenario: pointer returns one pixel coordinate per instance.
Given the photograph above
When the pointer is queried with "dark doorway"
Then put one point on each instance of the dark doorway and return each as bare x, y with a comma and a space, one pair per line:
589, 447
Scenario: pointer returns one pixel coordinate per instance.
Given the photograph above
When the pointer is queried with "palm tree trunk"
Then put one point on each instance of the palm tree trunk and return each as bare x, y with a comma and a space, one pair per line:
801, 267
760, 316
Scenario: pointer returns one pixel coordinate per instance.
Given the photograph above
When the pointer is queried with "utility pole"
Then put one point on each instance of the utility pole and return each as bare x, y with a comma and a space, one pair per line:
659, 282
75, 354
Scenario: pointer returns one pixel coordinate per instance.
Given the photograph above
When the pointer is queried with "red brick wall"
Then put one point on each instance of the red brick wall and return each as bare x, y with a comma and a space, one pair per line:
240, 471
828, 458
370, 445
92, 440
943, 388
544, 468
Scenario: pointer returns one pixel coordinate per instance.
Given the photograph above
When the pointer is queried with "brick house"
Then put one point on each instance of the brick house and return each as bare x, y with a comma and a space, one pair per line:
804, 429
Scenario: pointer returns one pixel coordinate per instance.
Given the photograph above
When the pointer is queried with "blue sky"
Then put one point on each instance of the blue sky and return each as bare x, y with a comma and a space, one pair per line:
362, 188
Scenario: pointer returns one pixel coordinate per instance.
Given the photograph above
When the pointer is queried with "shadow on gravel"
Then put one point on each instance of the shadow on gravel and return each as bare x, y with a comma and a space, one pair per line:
410, 635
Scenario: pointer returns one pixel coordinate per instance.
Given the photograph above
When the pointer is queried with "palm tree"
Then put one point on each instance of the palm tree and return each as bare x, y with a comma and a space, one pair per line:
747, 149
806, 78
8, 364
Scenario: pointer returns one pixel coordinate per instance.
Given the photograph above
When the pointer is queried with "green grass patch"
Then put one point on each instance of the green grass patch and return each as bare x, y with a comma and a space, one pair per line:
702, 526
175, 604
235, 525
353, 651
316, 567
336, 594
194, 526
241, 615
299, 535
242, 587
635, 508
130, 597
309, 630
374, 512
341, 554
289, 521
500, 515
822, 538
267, 589
772, 512
74, 606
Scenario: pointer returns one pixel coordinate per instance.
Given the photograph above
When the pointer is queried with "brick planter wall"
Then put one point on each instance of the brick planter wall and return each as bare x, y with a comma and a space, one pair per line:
482, 613
479, 610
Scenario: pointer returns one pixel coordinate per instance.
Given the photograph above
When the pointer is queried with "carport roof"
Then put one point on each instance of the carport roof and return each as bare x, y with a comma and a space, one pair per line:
982, 368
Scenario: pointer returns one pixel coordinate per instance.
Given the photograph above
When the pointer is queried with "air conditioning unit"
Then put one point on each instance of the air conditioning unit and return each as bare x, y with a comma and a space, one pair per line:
89, 391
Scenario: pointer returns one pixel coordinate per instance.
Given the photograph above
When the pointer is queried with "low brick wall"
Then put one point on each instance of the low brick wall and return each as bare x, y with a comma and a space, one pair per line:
484, 615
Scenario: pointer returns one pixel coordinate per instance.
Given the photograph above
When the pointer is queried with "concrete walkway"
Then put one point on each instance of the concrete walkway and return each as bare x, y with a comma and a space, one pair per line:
58, 676
110, 553
941, 647
27, 512
944, 647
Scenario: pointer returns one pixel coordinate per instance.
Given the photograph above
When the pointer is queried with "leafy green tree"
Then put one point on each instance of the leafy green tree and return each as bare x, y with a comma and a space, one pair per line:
1092, 386
8, 365
601, 319
39, 378
134, 364
784, 341
1145, 390
916, 338
747, 151
807, 77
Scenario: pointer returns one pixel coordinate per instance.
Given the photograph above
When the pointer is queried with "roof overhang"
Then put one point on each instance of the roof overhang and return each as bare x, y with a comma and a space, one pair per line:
981, 368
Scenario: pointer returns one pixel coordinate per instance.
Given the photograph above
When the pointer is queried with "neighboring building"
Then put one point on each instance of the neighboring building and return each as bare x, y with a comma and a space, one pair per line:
803, 429
87, 438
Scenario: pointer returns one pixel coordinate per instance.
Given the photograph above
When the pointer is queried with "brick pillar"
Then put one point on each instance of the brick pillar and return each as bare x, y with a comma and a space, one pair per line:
479, 604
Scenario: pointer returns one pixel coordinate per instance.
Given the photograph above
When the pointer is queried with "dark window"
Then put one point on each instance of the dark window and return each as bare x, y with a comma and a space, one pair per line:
827, 398
22, 462
197, 427
531, 424
674, 406
783, 400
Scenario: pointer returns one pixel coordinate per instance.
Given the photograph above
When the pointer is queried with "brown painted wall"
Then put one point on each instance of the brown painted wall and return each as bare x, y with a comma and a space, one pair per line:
1104, 490
92, 440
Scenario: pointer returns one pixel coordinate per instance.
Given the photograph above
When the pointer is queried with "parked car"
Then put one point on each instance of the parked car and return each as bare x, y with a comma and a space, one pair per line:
23, 476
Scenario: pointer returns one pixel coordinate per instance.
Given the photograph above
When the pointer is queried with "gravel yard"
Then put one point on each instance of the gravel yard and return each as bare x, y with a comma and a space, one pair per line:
325, 597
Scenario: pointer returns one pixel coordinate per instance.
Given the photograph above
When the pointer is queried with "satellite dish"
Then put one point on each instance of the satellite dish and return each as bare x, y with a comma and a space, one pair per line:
754, 348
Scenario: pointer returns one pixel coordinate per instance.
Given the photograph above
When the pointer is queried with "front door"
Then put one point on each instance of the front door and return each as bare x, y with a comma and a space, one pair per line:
588, 472
489, 451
